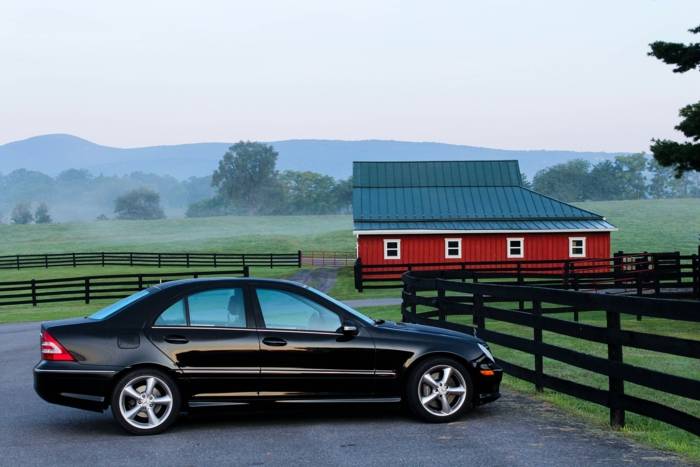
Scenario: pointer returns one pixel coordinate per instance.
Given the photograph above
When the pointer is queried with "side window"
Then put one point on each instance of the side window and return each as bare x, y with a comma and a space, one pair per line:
516, 248
577, 247
286, 310
218, 307
453, 248
392, 249
174, 315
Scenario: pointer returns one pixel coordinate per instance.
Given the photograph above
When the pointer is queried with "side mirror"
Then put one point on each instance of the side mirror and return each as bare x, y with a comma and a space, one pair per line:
348, 329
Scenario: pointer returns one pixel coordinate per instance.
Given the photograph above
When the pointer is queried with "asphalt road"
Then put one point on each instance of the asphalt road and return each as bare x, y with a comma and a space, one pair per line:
514, 431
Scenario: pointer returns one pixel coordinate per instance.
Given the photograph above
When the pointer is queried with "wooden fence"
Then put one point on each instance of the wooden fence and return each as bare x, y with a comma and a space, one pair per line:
657, 273
533, 308
89, 288
187, 260
328, 258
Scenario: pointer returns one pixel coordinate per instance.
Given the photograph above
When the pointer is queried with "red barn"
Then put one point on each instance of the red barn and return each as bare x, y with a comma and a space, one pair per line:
460, 211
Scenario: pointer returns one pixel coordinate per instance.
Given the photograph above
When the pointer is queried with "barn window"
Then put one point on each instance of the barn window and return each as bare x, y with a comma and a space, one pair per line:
392, 249
453, 248
577, 247
516, 248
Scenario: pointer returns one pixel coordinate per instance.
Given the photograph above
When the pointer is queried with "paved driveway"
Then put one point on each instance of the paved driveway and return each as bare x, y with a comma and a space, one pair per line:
514, 431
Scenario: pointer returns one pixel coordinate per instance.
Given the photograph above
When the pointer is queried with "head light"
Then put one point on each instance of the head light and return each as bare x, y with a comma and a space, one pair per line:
486, 352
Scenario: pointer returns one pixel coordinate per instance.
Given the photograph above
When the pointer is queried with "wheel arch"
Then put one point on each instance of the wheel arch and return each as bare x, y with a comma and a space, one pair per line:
413, 363
142, 366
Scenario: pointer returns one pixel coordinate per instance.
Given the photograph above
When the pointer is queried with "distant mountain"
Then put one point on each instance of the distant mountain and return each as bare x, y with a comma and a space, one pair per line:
53, 153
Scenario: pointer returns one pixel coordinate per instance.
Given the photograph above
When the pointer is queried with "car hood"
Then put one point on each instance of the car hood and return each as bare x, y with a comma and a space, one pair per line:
429, 330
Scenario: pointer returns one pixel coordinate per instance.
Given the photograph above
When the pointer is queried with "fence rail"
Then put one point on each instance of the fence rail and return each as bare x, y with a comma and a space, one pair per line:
328, 258
640, 272
187, 260
532, 308
87, 288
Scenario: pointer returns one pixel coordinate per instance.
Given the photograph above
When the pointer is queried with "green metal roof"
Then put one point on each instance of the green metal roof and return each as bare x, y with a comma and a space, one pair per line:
435, 174
457, 195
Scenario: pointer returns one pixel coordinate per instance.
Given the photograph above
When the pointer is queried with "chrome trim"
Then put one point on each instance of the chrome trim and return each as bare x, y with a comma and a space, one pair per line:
371, 400
232, 371
43, 370
315, 371
214, 328
214, 404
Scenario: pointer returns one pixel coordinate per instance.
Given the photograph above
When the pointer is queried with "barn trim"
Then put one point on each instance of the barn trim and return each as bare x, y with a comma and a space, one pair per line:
469, 232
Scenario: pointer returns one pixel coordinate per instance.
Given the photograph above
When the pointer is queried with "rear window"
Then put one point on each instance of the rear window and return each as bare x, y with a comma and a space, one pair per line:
109, 310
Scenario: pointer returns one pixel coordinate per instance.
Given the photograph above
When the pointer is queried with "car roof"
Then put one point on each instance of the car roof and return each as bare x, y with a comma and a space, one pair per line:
215, 280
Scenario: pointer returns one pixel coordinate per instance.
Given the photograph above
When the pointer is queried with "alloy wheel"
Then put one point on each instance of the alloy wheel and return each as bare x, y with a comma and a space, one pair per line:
442, 390
145, 402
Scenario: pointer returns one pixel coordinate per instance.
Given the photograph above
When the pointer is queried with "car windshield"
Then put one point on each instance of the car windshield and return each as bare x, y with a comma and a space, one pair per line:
352, 311
109, 310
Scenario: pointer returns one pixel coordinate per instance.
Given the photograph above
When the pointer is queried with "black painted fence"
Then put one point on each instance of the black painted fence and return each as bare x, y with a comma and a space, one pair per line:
656, 273
534, 308
87, 288
187, 260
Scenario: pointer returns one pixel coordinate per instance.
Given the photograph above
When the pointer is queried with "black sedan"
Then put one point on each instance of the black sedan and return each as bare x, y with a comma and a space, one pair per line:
217, 342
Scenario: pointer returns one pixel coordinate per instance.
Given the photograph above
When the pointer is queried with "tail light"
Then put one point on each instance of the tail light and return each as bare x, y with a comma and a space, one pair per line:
51, 349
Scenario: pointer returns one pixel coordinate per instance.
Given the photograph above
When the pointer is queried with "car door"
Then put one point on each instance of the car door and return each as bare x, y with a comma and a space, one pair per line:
303, 353
210, 334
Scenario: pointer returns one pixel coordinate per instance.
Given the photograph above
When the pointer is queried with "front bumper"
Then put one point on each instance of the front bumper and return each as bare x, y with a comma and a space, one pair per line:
487, 388
67, 384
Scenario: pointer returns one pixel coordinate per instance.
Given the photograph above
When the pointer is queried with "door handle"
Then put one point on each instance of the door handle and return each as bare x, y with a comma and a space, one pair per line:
274, 341
176, 339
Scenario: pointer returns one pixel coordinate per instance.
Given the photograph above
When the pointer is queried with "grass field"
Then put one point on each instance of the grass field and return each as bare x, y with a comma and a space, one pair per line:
651, 225
642, 429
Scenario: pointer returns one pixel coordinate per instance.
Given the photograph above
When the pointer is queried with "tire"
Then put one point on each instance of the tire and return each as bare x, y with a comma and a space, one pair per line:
159, 409
434, 399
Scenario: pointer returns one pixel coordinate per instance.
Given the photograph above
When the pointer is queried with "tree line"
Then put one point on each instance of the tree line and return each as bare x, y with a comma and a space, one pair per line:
248, 182
634, 176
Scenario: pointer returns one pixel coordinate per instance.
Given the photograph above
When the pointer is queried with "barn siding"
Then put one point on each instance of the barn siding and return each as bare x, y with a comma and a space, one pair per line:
430, 248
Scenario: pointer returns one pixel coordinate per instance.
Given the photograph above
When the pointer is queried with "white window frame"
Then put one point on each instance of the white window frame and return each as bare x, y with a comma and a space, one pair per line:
459, 248
571, 247
398, 248
522, 247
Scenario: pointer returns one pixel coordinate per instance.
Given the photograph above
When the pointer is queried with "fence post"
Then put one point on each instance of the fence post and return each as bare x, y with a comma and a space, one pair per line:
187, 260
616, 384
477, 318
695, 267
87, 290
131, 259
655, 269
33, 292
617, 266
73, 254
270, 260
103, 259
159, 258
246, 271
440, 303
140, 283
298, 258
521, 303
357, 269
537, 335
214, 259
46, 261
565, 278
17, 261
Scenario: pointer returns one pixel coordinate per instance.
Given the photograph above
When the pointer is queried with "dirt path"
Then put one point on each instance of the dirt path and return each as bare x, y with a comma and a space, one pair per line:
322, 279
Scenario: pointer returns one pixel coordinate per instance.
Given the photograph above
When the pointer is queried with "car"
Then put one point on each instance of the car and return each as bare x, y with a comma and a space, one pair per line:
216, 342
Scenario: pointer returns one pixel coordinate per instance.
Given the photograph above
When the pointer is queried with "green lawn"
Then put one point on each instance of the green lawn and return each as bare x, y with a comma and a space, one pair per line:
640, 428
651, 225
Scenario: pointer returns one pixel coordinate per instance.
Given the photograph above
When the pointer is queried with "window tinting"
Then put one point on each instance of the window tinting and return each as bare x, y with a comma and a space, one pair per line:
286, 310
174, 315
219, 307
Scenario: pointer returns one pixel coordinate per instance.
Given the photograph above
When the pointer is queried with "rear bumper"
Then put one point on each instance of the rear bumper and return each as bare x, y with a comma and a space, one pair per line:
66, 384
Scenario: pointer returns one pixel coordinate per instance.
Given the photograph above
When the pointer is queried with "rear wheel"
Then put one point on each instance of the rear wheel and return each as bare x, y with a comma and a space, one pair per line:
145, 402
439, 390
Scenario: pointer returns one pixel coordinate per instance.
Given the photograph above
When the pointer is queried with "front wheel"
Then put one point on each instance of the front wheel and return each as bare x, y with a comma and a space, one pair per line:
439, 390
145, 402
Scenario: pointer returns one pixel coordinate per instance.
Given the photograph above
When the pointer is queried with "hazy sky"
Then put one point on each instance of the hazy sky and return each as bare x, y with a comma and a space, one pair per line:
506, 74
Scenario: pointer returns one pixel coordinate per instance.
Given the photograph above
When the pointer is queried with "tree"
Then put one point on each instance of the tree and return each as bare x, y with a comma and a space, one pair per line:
568, 181
683, 157
41, 215
630, 170
142, 203
308, 193
246, 177
22, 214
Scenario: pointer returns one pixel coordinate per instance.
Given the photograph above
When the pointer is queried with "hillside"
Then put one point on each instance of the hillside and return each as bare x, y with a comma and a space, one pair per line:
53, 153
